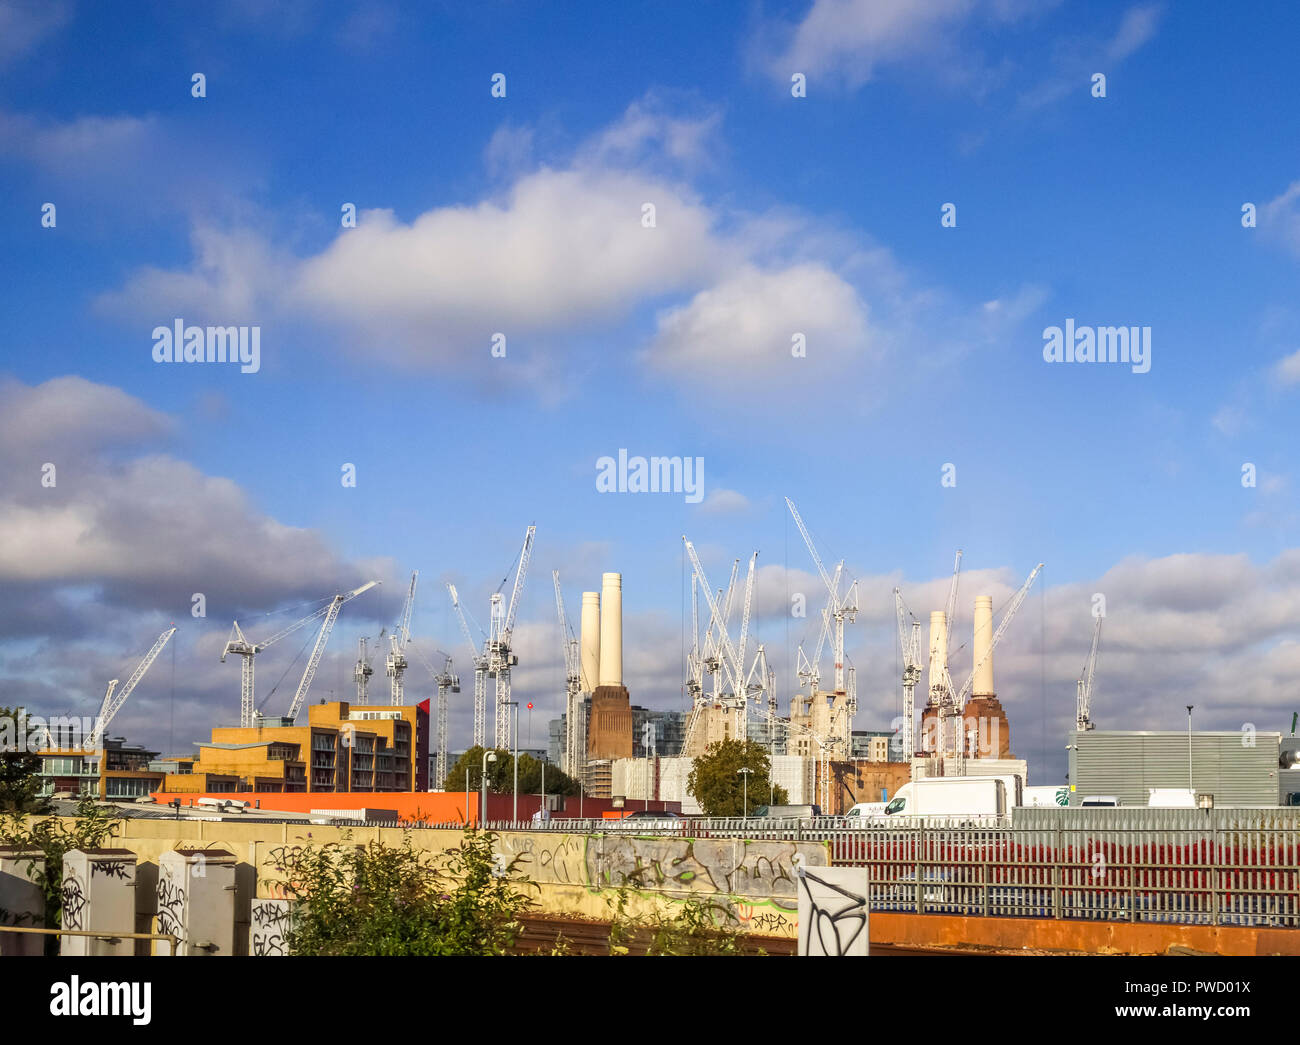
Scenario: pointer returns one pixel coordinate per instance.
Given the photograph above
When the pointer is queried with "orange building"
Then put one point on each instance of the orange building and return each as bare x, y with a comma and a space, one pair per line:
340, 749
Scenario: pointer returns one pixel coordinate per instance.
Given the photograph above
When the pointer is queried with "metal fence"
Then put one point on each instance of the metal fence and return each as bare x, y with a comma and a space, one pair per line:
1219, 867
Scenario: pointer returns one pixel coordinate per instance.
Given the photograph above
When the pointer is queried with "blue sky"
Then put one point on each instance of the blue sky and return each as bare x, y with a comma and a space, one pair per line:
774, 214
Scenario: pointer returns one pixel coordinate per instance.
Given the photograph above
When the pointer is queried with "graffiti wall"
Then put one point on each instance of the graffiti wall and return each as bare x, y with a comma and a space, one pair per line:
755, 879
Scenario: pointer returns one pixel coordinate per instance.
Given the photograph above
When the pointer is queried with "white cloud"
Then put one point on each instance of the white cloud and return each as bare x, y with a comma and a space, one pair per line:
1279, 218
722, 501
1287, 370
743, 327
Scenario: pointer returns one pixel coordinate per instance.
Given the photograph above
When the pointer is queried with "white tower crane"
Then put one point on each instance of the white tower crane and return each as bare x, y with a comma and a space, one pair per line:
309, 672
501, 657
240, 645
1083, 705
479, 660
362, 672
113, 704
909, 641
575, 738
447, 681
395, 665
842, 608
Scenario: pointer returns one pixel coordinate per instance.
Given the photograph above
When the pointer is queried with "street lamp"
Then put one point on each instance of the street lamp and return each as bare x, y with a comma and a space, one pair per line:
488, 756
744, 775
515, 704
1189, 748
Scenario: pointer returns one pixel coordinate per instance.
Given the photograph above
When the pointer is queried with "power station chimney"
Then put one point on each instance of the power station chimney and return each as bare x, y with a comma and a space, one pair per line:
589, 641
983, 646
611, 629
938, 650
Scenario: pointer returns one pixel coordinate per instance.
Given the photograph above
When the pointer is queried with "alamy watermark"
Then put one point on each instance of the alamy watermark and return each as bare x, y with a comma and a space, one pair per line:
181, 344
684, 475
32, 733
1130, 345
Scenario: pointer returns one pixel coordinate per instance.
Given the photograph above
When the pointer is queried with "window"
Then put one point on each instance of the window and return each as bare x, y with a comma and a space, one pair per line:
896, 806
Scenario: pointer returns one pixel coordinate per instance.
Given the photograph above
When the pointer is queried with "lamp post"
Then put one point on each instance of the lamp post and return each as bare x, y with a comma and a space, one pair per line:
544, 817
515, 704
744, 776
1189, 749
488, 756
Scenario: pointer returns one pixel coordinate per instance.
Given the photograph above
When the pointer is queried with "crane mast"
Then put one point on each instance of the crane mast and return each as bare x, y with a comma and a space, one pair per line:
479, 660
395, 665
574, 733
842, 609
362, 672
501, 657
240, 645
909, 642
1083, 705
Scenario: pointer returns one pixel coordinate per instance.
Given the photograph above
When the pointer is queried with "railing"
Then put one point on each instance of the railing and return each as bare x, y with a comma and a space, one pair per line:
1238, 867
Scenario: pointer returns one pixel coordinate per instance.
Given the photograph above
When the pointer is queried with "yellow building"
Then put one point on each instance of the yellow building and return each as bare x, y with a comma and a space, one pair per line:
371, 748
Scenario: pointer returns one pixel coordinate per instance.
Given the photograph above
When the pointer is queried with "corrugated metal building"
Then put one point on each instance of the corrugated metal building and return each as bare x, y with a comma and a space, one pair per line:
1236, 767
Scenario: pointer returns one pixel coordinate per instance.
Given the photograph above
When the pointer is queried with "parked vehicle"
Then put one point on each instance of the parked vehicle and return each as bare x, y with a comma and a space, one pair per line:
786, 812
1046, 795
1100, 802
864, 813
950, 796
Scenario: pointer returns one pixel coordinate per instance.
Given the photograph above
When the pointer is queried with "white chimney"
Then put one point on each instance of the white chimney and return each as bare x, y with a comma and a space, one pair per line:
983, 645
611, 629
589, 641
938, 648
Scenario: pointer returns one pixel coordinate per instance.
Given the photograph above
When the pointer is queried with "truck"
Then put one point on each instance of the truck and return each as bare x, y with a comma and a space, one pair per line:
958, 796
1046, 795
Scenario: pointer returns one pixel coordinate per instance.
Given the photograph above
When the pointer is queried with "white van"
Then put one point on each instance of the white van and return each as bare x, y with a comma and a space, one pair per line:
1171, 798
862, 813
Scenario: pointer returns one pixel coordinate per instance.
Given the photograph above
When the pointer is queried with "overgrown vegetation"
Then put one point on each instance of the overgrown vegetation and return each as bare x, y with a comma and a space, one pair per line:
721, 789
92, 827
384, 900
696, 926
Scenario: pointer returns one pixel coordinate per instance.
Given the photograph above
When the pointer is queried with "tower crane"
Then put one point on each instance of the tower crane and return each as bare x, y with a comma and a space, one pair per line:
729, 662
1083, 704
479, 660
362, 672
327, 625
241, 646
447, 681
958, 704
842, 608
113, 703
575, 735
395, 665
909, 641
950, 609
501, 657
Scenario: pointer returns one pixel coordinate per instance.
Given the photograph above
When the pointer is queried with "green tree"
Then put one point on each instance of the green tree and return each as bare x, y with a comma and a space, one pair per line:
718, 785
500, 774
379, 899
19, 768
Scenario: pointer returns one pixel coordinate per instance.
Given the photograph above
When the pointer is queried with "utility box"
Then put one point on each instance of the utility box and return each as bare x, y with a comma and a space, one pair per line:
196, 901
99, 896
269, 924
22, 902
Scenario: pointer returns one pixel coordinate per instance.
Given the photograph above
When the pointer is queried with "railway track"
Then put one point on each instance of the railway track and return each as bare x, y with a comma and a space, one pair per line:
584, 937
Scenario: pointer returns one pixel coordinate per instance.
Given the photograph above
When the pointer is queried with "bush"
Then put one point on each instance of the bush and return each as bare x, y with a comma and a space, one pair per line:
383, 900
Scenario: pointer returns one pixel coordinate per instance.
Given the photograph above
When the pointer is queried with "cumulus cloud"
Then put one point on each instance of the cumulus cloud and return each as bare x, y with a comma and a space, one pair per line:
745, 325
1279, 218
722, 501
139, 529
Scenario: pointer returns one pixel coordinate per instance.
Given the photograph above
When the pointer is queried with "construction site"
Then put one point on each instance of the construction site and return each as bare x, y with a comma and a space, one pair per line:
604, 741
